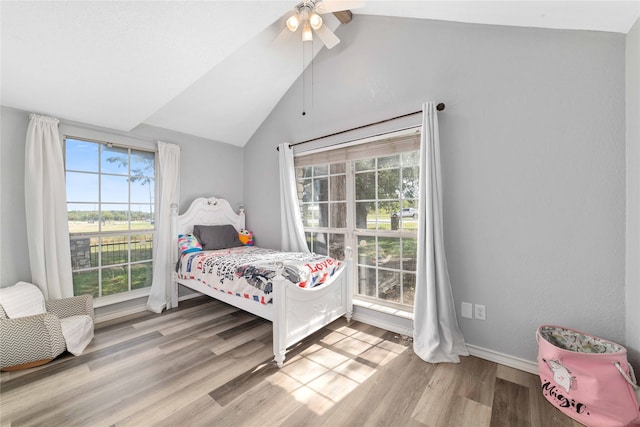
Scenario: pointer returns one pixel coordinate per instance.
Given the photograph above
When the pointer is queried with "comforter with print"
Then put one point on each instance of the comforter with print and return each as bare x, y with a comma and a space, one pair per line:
248, 271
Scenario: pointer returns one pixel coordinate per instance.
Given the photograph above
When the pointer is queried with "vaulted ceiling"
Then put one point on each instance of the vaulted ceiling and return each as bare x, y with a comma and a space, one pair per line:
213, 69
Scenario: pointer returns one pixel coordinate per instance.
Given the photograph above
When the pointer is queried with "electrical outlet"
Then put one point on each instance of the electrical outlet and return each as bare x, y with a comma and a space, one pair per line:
467, 310
481, 312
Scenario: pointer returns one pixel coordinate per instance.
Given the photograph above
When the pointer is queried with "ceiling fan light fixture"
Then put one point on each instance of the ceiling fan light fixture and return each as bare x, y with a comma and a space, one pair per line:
293, 22
315, 20
307, 36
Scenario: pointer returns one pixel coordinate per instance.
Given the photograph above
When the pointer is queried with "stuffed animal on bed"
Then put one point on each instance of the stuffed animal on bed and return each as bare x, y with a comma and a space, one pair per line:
246, 237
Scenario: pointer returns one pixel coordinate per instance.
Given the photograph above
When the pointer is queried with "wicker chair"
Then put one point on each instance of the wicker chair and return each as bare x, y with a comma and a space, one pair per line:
30, 341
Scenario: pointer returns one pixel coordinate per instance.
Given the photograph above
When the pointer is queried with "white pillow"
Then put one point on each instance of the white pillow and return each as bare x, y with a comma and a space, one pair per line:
21, 300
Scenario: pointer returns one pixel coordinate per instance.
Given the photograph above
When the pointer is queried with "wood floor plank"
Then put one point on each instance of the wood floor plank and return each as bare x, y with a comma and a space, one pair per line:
510, 405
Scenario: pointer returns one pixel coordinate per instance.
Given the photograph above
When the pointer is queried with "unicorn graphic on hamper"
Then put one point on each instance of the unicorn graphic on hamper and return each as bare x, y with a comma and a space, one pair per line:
562, 376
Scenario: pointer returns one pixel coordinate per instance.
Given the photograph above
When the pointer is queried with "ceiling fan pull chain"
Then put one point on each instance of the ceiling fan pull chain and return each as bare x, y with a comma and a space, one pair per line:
303, 79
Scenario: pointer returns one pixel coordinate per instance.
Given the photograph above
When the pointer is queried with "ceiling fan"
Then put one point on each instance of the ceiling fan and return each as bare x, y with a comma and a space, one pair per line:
306, 15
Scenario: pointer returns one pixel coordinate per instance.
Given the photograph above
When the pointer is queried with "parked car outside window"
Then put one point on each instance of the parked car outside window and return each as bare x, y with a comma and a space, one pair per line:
407, 213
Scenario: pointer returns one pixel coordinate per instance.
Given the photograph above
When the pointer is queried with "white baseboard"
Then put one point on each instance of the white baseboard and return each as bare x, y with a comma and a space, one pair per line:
504, 359
382, 324
104, 317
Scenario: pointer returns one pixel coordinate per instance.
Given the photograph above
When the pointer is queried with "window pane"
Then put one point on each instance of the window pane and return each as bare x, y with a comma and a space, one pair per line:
389, 162
389, 252
408, 288
141, 275
115, 280
83, 218
142, 163
141, 247
82, 187
86, 282
336, 246
320, 189
366, 186
114, 160
338, 215
338, 188
307, 215
115, 217
142, 190
84, 252
389, 184
320, 243
367, 253
306, 190
81, 155
308, 237
410, 183
338, 168
411, 158
321, 170
114, 250
307, 172
142, 217
364, 165
367, 281
409, 249
323, 218
365, 215
388, 215
115, 188
389, 285
409, 219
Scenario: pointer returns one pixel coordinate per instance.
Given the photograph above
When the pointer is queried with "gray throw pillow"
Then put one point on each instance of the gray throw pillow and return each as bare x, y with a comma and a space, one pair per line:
213, 237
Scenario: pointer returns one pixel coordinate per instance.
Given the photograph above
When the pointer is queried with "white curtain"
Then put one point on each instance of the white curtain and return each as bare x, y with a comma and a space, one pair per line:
164, 243
46, 206
290, 219
436, 335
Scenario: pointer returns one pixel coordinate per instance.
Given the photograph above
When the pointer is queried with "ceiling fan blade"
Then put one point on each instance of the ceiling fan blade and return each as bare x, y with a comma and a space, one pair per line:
328, 38
328, 6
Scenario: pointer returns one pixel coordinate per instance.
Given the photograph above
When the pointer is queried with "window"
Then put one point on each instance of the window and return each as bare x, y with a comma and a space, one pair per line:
110, 204
365, 196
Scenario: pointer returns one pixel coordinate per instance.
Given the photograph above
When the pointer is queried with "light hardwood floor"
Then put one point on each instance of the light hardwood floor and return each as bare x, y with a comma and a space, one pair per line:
208, 364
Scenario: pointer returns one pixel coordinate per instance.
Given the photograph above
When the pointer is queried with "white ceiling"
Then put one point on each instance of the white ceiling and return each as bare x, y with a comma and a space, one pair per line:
208, 68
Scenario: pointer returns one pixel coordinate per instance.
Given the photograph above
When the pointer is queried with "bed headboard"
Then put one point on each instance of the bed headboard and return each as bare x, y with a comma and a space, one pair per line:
206, 211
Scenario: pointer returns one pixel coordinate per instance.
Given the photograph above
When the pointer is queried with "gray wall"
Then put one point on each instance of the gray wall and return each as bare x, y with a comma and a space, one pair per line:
633, 194
205, 170
13, 227
533, 159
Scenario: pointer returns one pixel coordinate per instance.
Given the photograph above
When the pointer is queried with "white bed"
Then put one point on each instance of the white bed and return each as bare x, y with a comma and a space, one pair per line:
295, 313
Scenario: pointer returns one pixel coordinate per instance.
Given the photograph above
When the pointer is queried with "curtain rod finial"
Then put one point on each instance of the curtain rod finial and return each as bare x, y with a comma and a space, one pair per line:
440, 106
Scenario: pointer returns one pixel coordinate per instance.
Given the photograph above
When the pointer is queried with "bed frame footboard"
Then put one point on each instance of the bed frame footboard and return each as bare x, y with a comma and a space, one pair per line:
300, 312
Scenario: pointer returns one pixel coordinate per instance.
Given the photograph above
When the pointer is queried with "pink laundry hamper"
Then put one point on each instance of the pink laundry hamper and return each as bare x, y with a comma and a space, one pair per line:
587, 378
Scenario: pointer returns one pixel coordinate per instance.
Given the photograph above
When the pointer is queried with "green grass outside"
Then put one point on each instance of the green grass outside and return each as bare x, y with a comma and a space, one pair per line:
109, 226
114, 280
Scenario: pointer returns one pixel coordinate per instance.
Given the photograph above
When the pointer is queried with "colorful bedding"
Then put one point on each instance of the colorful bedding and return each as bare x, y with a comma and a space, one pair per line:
248, 271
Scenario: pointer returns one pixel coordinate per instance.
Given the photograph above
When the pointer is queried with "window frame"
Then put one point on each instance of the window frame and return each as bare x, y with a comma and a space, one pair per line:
101, 299
352, 234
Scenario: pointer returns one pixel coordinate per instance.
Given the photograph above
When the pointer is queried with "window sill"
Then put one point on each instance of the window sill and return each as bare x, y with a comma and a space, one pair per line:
122, 297
392, 311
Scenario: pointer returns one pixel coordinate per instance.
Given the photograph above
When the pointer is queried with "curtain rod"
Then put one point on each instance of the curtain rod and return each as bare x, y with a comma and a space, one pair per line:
439, 107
